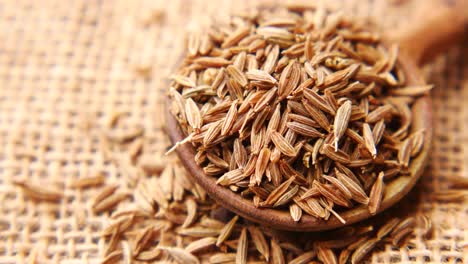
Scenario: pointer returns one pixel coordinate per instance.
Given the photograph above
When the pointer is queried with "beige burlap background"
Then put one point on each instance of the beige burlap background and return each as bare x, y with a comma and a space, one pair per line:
65, 66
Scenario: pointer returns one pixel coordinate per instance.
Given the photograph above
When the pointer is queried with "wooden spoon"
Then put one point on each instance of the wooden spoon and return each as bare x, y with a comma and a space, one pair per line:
421, 40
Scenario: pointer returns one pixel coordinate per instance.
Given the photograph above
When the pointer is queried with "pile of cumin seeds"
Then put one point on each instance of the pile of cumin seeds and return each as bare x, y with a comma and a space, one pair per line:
169, 219
299, 110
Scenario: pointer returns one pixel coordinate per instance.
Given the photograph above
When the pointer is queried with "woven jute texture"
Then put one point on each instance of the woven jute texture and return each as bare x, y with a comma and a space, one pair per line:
66, 66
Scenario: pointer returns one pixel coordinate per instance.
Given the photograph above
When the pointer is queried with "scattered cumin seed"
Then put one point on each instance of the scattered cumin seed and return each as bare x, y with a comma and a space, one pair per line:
242, 246
180, 255
39, 192
109, 202
226, 231
90, 181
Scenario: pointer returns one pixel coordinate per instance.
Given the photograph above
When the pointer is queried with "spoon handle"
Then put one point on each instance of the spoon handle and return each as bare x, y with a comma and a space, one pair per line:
442, 24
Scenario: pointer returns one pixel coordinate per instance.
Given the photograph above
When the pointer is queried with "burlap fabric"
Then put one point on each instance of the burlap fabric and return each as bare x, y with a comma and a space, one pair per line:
65, 66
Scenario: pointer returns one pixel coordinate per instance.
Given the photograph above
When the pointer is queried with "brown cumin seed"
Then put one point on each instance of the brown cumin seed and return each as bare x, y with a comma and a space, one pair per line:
109, 202
286, 197
317, 115
212, 133
378, 131
86, 182
409, 222
242, 246
404, 153
180, 255
113, 257
318, 101
282, 144
362, 251
344, 256
378, 114
315, 207
259, 241
450, 195
358, 194
265, 100
399, 237
458, 181
211, 61
191, 205
226, 231
183, 80
304, 129
296, 212
236, 36
148, 255
339, 185
338, 156
278, 192
230, 119
219, 258
231, 177
412, 90
326, 255
237, 75
201, 244
125, 136
289, 79
304, 258
262, 163
193, 114
387, 227
334, 195
276, 253
240, 153
369, 140
261, 76
105, 192
341, 121
376, 194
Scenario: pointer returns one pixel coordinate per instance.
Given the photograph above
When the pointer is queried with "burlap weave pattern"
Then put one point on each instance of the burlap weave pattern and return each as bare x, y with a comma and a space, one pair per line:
65, 66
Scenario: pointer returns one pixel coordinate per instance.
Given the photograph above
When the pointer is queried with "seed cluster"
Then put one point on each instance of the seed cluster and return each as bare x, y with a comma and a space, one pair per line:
171, 220
303, 110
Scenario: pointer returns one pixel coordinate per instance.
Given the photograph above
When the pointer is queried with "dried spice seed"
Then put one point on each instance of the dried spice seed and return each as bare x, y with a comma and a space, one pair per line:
341, 121
230, 119
376, 194
369, 140
326, 255
39, 192
387, 228
277, 255
109, 202
180, 255
226, 231
222, 258
364, 249
296, 212
259, 241
282, 144
200, 244
304, 258
242, 246
86, 182
262, 163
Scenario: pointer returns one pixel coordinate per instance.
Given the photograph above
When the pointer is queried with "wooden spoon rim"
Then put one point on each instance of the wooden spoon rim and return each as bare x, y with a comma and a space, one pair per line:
396, 189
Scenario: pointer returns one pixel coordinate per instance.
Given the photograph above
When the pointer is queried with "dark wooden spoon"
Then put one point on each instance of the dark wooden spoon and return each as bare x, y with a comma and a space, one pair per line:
443, 26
